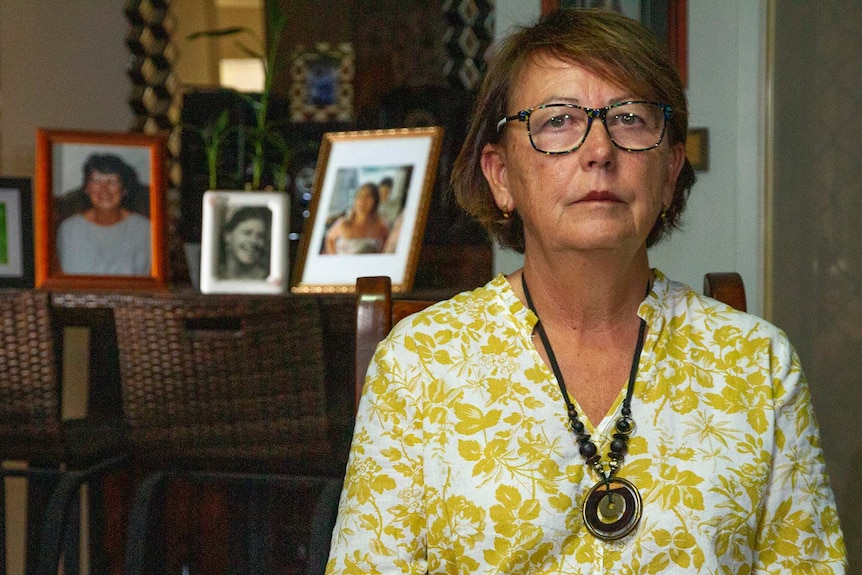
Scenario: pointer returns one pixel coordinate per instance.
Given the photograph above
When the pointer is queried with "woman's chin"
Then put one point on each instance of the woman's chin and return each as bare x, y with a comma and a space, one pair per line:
247, 259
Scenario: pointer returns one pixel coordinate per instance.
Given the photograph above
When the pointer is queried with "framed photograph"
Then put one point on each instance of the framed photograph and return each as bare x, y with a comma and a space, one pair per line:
244, 244
16, 233
697, 148
100, 210
666, 18
368, 210
321, 83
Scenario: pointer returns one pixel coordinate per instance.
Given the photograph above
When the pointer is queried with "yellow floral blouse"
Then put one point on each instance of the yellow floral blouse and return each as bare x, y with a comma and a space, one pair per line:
463, 462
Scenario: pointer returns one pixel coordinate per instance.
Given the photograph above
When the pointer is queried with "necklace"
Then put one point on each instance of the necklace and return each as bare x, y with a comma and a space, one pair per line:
612, 507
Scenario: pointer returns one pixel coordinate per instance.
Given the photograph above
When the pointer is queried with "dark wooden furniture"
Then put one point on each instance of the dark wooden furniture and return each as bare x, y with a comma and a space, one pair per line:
225, 396
33, 430
726, 287
178, 464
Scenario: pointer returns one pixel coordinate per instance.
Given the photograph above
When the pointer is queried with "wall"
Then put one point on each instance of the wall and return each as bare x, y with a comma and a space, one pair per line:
62, 65
817, 206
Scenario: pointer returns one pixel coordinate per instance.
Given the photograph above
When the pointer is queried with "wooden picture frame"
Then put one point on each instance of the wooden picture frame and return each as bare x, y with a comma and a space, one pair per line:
697, 149
244, 247
335, 248
113, 246
16, 233
668, 19
321, 83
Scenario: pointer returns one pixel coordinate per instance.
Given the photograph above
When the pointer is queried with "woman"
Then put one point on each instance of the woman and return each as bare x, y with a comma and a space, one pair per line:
106, 237
584, 414
361, 231
245, 244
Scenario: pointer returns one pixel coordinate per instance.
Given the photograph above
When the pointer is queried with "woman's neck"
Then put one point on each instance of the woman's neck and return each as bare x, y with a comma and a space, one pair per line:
363, 219
594, 292
106, 218
239, 270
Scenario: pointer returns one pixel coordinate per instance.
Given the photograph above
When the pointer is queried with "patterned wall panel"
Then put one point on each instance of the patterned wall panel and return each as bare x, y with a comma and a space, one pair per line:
469, 32
155, 99
154, 96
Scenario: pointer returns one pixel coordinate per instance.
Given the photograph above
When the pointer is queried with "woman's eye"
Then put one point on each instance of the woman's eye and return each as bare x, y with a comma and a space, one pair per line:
629, 120
558, 122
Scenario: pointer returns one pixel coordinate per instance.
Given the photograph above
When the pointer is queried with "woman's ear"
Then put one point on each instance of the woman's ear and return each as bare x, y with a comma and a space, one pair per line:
494, 169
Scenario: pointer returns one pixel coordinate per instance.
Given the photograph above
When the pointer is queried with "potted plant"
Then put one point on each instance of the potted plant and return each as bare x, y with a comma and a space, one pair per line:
268, 150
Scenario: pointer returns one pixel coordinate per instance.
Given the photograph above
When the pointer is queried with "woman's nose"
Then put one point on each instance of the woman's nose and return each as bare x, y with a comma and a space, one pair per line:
597, 149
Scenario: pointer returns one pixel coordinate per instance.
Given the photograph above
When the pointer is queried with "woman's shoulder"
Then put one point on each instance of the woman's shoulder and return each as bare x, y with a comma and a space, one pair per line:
74, 224
492, 304
681, 305
137, 221
72, 221
337, 224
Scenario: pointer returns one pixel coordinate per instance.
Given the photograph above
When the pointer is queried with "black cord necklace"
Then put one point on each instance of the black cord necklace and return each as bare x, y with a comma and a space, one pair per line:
612, 507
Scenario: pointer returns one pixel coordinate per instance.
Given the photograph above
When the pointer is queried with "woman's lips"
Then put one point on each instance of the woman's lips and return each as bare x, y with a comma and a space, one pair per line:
597, 196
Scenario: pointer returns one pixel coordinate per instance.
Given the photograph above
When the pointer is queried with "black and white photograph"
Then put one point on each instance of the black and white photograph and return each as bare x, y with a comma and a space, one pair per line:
244, 247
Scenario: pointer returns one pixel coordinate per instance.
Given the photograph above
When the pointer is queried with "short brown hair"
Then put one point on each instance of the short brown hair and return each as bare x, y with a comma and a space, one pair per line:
609, 44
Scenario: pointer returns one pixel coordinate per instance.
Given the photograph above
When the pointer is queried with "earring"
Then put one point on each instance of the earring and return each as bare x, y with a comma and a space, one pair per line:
506, 213
663, 214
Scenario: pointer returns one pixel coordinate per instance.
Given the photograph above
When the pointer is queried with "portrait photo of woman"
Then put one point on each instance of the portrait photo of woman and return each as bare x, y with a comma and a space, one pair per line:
361, 230
245, 244
103, 226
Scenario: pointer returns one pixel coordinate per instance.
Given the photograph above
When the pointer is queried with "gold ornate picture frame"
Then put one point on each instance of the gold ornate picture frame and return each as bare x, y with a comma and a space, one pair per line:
321, 83
368, 210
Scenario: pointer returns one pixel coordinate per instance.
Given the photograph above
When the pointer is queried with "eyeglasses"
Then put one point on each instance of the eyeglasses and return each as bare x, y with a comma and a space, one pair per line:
562, 128
106, 179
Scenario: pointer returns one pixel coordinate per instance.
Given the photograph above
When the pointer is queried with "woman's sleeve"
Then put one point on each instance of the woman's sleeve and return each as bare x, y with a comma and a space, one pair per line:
799, 530
381, 526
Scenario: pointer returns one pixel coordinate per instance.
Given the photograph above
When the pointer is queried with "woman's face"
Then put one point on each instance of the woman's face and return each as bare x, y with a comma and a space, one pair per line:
247, 241
595, 198
105, 191
364, 203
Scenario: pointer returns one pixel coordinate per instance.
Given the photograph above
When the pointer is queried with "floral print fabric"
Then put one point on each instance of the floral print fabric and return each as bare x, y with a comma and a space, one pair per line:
463, 463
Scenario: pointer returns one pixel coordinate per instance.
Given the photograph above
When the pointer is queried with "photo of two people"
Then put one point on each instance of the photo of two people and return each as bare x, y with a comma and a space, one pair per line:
366, 211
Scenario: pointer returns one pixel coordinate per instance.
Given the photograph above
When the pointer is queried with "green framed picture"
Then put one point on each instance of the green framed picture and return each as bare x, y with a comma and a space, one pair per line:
16, 233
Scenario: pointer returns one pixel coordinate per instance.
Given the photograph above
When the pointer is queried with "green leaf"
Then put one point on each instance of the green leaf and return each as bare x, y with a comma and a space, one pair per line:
233, 30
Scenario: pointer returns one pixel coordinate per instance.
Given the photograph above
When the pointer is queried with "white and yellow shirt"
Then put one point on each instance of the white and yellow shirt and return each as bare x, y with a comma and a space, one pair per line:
463, 461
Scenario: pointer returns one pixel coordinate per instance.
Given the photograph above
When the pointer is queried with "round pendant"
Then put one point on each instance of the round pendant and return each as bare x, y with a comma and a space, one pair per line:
612, 509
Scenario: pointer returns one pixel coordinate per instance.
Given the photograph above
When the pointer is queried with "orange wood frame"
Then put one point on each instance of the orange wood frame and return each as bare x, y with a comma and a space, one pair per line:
48, 273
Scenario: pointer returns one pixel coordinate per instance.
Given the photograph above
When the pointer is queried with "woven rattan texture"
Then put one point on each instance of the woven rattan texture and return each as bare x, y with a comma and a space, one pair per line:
29, 389
223, 376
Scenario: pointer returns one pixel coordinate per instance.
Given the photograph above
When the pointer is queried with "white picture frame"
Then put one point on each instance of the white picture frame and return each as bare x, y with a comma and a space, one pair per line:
348, 164
242, 252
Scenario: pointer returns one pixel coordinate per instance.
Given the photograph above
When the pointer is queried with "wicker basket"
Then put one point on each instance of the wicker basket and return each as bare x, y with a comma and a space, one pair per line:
31, 424
29, 388
223, 380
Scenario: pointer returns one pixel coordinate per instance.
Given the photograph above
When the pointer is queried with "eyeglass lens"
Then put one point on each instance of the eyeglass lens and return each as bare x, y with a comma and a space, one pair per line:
559, 128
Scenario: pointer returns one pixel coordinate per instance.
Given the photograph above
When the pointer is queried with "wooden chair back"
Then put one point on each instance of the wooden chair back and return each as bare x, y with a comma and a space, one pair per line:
377, 311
